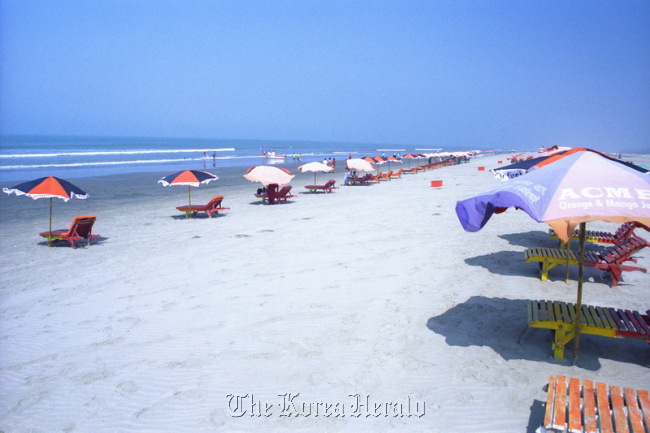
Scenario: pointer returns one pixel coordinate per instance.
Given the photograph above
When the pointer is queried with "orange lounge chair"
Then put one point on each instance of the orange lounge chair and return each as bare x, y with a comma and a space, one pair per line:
328, 187
576, 405
213, 207
397, 174
386, 176
79, 230
410, 171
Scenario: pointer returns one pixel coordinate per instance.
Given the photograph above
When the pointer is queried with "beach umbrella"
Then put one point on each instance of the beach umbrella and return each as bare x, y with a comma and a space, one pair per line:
315, 167
267, 174
190, 178
522, 167
359, 164
48, 187
573, 190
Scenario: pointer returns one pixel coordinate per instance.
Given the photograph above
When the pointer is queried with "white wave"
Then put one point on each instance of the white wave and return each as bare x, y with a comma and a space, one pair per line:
117, 152
88, 164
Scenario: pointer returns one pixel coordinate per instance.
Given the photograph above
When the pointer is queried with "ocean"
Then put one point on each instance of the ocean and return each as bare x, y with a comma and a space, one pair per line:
30, 157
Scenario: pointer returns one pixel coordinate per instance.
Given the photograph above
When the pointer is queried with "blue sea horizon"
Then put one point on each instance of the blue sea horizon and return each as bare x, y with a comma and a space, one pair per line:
27, 157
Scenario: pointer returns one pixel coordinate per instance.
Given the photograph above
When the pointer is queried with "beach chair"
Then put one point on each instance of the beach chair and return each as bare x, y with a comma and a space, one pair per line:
623, 232
611, 260
386, 176
410, 171
397, 174
213, 207
574, 405
327, 187
284, 194
270, 193
604, 321
80, 230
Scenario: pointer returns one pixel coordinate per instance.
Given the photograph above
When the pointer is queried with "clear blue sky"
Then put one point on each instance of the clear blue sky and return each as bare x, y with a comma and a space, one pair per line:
479, 73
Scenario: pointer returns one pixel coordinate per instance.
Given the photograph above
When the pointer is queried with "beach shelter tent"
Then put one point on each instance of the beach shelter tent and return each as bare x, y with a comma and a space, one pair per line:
48, 187
573, 190
190, 178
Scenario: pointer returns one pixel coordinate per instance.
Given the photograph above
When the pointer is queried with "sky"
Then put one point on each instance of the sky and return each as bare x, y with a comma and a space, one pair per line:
477, 74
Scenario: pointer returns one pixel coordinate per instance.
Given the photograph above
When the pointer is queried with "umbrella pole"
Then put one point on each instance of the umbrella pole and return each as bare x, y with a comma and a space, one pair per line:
189, 195
49, 238
576, 342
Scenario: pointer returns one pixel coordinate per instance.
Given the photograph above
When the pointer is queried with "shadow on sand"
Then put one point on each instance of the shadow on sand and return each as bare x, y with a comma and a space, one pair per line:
501, 324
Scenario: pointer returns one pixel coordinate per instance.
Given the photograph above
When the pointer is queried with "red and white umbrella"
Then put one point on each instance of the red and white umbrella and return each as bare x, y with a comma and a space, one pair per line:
267, 174
190, 178
47, 187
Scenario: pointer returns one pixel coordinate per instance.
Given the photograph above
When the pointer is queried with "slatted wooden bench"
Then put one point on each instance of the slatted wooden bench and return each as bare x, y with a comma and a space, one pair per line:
623, 232
579, 406
606, 322
612, 260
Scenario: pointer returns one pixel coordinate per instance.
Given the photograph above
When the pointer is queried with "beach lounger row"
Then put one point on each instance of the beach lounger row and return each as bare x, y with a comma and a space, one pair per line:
612, 260
607, 322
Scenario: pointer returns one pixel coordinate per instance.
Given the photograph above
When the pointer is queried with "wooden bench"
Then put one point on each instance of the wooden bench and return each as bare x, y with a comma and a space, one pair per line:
623, 232
606, 322
576, 406
612, 260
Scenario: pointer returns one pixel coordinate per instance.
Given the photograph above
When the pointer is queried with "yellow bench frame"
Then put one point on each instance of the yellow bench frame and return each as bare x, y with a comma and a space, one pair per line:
606, 322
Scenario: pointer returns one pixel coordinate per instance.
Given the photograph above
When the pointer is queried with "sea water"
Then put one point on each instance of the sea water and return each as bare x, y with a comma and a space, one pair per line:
30, 157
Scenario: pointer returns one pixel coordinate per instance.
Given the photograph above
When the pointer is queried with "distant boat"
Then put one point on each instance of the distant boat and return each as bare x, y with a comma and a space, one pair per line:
272, 155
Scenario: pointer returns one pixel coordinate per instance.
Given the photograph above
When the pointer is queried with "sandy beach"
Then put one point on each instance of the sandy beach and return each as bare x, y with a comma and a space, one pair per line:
310, 316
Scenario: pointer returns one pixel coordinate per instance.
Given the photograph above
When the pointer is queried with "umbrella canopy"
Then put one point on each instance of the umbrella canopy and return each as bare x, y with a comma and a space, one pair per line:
190, 178
581, 187
359, 164
267, 174
575, 189
48, 187
522, 167
315, 167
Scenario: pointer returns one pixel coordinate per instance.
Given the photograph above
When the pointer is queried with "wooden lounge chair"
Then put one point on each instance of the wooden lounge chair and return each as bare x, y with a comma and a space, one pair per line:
386, 176
397, 174
612, 260
623, 232
80, 230
606, 322
284, 194
574, 405
327, 187
270, 193
213, 207
410, 171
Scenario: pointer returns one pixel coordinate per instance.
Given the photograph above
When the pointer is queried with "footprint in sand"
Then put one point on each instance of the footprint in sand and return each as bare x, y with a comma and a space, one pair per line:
128, 387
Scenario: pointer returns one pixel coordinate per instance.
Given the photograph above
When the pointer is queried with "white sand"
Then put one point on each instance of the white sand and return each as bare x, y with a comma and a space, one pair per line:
370, 291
